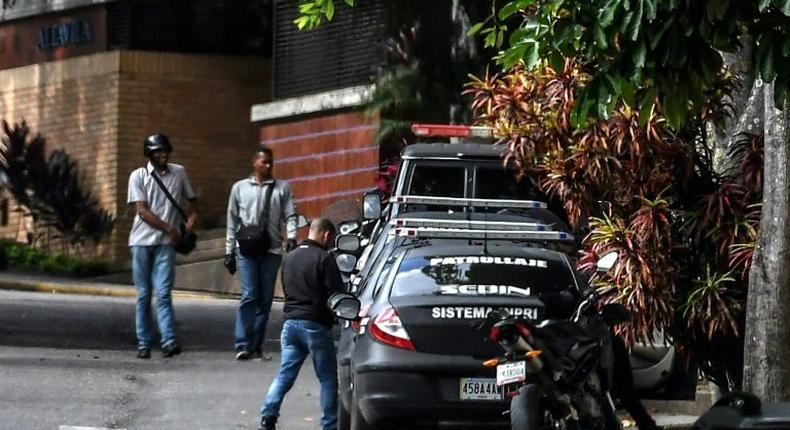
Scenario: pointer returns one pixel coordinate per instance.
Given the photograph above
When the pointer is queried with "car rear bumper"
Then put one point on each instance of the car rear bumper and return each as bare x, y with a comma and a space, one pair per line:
398, 385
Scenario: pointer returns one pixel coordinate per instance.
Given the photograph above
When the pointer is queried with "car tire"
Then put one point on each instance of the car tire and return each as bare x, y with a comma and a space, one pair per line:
343, 417
357, 421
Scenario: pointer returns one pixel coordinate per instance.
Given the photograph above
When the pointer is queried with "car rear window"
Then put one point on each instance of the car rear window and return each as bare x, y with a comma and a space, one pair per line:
480, 275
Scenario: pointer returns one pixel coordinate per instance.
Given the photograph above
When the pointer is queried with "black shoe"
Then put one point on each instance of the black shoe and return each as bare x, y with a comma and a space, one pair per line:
171, 350
242, 354
144, 353
268, 423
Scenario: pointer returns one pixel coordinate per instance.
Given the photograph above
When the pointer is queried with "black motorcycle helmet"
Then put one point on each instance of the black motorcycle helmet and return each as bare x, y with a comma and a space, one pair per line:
154, 142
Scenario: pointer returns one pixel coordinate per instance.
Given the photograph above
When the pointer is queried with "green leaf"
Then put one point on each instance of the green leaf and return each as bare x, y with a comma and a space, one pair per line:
675, 108
532, 55
782, 5
500, 38
762, 4
767, 71
639, 54
606, 15
490, 40
557, 61
604, 98
518, 36
330, 10
581, 110
600, 37
509, 9
349, 2
475, 29
511, 56
650, 9
648, 104
302, 22
636, 22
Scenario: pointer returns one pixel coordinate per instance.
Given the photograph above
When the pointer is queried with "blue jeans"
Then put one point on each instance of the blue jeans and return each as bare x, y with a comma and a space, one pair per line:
300, 337
257, 276
153, 268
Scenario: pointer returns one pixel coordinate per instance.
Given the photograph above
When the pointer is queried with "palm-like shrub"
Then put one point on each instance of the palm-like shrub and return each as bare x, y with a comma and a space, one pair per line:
49, 189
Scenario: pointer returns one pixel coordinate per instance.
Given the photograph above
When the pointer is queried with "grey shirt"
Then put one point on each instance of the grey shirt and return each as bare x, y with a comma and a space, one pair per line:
245, 207
143, 188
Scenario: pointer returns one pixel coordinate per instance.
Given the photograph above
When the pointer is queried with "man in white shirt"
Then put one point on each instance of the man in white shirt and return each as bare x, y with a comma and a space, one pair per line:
152, 238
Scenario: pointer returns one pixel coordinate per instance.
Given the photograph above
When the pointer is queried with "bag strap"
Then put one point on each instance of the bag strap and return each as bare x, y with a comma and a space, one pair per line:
168, 195
267, 198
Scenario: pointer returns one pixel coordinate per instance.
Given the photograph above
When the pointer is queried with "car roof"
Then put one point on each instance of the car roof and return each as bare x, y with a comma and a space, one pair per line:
445, 248
543, 216
454, 150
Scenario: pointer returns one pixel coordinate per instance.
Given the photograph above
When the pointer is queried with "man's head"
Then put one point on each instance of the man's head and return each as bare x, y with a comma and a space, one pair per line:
262, 162
157, 148
322, 231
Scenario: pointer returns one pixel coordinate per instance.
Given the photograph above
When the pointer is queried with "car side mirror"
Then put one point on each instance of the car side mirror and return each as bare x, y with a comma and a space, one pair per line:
294, 223
615, 313
371, 205
346, 262
344, 306
348, 242
607, 262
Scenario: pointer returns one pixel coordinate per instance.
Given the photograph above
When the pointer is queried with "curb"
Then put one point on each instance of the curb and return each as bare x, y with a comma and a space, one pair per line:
93, 290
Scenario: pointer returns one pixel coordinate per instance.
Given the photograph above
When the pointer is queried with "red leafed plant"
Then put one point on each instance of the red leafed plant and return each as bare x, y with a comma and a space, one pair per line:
684, 233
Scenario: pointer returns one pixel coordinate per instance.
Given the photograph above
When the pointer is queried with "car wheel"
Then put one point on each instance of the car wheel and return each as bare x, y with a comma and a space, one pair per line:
357, 419
343, 417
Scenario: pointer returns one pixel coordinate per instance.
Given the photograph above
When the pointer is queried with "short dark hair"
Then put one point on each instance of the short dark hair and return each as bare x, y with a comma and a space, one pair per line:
321, 225
263, 149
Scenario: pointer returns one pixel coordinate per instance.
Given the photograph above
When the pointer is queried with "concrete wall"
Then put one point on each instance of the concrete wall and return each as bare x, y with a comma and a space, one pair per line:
100, 107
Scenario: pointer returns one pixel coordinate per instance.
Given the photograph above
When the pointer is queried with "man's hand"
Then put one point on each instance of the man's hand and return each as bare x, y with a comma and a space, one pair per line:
290, 245
175, 235
230, 263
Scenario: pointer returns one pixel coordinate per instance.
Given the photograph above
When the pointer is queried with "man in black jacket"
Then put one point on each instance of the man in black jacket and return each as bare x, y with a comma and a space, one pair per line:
309, 275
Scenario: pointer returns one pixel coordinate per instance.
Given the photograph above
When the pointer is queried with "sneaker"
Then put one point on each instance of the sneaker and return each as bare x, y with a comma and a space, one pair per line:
171, 350
268, 423
242, 354
144, 353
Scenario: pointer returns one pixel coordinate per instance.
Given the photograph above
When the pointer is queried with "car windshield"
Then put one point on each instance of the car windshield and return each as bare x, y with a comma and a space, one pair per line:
480, 275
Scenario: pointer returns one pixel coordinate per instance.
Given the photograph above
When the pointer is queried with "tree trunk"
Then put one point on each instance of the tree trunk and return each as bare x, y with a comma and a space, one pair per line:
766, 370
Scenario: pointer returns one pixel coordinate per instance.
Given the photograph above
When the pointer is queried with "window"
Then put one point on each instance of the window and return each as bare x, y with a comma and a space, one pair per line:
438, 181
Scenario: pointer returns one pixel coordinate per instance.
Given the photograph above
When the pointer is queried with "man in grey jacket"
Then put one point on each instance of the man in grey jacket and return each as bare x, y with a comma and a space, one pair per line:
248, 207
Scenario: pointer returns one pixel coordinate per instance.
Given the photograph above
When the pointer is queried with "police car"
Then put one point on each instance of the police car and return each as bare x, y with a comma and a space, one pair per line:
413, 355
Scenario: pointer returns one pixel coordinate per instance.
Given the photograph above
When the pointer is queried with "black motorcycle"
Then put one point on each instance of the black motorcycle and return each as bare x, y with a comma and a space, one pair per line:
558, 373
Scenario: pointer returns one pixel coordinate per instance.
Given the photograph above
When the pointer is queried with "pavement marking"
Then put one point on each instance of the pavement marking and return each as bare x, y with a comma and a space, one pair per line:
86, 428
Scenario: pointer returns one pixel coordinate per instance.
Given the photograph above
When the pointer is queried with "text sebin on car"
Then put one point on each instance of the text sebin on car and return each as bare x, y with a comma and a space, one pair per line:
418, 345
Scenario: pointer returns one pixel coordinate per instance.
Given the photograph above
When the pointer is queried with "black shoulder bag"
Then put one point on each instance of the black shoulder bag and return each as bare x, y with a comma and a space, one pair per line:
254, 240
188, 240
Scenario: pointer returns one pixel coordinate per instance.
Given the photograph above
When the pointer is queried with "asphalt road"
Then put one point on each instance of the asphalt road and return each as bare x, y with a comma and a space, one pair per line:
68, 362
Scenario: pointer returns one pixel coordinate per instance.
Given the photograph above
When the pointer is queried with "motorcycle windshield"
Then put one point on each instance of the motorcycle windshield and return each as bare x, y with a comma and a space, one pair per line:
443, 302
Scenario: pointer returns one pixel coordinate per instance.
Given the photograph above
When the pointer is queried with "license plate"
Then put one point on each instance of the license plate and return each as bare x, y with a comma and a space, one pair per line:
511, 372
479, 389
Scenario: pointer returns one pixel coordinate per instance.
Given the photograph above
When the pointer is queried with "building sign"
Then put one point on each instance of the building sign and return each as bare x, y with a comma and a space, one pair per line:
74, 32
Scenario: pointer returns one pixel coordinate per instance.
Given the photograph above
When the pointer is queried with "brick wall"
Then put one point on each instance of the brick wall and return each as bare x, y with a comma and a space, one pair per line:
325, 157
100, 108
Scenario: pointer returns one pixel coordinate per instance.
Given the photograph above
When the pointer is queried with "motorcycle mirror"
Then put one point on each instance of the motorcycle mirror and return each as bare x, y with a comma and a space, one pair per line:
344, 306
371, 205
346, 263
294, 223
615, 313
347, 242
348, 227
607, 262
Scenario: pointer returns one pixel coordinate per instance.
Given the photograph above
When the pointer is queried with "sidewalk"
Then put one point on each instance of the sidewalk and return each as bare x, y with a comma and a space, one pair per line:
63, 285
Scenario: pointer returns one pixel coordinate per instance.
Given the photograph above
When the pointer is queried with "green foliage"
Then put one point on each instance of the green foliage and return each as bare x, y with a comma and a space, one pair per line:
666, 49
313, 12
16, 254
671, 216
